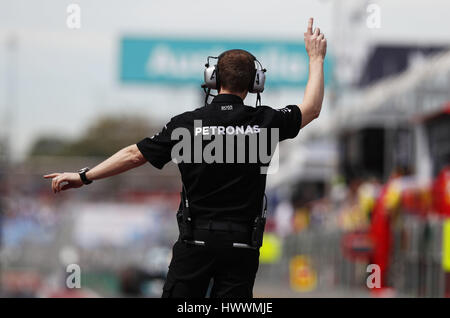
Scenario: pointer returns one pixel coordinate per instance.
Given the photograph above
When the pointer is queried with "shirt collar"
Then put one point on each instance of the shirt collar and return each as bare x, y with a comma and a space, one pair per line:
227, 99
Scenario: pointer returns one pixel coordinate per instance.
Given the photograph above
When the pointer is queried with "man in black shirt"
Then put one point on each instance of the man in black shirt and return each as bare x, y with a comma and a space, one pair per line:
222, 151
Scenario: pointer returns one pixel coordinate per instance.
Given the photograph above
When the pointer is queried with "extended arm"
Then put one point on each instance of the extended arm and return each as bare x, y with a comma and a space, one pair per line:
125, 159
316, 47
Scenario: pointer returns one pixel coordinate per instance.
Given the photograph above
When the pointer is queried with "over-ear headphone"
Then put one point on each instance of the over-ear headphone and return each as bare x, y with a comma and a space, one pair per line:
212, 75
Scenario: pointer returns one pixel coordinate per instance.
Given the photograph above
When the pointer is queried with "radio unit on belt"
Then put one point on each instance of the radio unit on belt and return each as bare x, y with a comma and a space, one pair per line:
258, 227
186, 225
184, 218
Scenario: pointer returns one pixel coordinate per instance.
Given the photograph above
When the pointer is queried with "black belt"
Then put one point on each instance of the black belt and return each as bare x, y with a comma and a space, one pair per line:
221, 226
225, 226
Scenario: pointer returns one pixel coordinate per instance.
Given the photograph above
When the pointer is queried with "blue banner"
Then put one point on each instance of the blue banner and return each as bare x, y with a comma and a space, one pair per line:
181, 61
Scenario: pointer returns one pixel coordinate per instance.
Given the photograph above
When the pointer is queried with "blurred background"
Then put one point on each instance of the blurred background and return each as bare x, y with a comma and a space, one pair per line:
366, 183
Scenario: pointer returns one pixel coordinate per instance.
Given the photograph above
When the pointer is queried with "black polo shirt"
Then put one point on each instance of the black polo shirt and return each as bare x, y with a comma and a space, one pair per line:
223, 189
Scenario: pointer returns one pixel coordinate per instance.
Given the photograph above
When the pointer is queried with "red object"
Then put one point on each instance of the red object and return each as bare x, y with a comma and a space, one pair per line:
441, 192
381, 235
357, 246
416, 201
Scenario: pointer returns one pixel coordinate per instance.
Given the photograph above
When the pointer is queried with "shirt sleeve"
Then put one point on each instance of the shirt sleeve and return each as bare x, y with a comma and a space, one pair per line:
157, 149
288, 120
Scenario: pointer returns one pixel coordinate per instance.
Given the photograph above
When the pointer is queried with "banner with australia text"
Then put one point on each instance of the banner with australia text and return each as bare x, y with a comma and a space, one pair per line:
152, 60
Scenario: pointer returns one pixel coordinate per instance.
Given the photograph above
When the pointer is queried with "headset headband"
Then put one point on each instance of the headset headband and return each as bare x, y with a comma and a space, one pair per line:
212, 77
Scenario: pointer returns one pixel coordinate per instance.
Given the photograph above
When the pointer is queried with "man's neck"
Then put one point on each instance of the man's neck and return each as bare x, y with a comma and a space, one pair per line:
241, 95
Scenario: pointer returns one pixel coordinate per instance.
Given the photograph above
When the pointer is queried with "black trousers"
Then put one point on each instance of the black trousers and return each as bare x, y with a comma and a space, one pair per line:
233, 270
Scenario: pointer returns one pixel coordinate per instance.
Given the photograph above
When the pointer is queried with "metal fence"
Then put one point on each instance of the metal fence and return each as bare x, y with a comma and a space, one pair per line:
415, 264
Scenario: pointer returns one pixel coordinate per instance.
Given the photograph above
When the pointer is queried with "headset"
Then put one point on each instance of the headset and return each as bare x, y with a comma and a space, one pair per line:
212, 77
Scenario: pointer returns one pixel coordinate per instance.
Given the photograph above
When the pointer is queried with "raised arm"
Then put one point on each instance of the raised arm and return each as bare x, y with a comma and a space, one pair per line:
316, 47
125, 159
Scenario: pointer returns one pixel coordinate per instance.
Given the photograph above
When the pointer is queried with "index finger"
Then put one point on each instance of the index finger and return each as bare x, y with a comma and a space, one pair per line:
52, 175
310, 25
